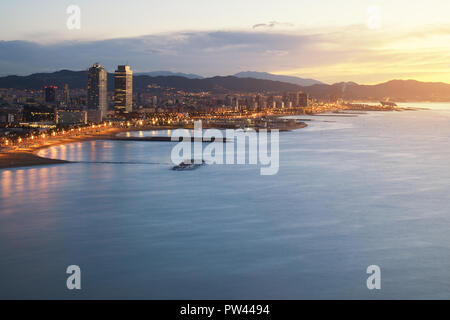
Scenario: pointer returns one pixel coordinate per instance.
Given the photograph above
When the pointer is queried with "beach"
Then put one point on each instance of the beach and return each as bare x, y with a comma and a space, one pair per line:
26, 156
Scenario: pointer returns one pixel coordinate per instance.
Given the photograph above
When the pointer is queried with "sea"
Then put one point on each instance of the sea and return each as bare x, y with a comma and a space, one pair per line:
353, 190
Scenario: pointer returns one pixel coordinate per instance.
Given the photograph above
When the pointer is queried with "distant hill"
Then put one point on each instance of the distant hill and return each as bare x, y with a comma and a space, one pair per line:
395, 90
78, 79
75, 79
274, 77
169, 73
218, 84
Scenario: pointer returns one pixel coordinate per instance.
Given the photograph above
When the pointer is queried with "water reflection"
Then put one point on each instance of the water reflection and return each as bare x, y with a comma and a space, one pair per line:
6, 183
19, 187
93, 147
341, 201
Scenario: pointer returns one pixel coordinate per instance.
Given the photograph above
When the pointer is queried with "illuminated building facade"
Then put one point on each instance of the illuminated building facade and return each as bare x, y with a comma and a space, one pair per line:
123, 89
303, 100
66, 95
97, 89
295, 99
69, 116
50, 94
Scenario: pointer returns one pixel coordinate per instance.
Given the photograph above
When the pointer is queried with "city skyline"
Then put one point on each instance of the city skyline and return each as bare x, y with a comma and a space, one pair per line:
375, 41
224, 157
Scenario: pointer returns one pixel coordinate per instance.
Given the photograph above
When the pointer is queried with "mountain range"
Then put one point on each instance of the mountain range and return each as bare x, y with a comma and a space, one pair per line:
395, 90
169, 73
78, 80
274, 77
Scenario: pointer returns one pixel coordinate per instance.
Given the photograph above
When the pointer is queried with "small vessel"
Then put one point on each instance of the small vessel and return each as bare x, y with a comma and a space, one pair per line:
188, 165
388, 104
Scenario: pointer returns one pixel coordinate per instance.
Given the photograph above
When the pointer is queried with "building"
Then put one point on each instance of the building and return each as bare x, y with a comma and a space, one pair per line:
50, 94
295, 99
66, 95
97, 98
95, 116
68, 116
7, 118
303, 100
123, 89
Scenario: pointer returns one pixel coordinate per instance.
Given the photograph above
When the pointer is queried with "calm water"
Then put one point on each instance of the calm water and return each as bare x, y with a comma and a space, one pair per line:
351, 192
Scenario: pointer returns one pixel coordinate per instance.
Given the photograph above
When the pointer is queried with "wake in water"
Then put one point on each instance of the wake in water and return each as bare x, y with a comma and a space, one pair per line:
123, 162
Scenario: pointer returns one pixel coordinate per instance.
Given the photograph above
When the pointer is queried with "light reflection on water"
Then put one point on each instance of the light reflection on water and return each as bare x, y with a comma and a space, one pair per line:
374, 191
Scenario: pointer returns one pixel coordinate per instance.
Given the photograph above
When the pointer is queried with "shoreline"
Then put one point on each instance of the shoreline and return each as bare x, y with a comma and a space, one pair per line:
28, 156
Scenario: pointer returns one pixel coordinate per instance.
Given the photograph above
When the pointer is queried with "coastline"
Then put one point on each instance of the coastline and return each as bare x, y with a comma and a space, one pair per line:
28, 156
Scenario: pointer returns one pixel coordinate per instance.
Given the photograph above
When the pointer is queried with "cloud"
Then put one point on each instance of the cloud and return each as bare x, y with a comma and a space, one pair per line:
272, 24
348, 54
279, 53
208, 53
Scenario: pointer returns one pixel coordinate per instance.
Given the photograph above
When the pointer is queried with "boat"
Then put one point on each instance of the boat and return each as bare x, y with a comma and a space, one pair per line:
188, 165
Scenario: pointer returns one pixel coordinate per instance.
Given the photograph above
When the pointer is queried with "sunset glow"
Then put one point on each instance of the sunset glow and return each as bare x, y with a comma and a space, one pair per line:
362, 41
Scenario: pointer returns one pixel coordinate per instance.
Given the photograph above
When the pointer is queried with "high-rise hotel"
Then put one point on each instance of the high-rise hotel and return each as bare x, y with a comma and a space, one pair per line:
123, 89
97, 89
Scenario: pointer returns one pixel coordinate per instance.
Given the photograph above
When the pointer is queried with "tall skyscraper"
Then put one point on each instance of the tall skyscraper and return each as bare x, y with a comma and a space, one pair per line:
97, 89
50, 94
123, 89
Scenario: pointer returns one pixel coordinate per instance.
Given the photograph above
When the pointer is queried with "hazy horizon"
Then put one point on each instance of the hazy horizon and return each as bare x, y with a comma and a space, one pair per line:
365, 42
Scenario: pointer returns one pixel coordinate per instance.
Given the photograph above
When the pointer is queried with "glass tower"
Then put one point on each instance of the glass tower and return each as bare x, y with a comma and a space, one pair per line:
123, 89
97, 89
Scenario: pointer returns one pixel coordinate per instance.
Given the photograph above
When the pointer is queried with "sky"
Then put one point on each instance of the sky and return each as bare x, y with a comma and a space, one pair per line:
365, 41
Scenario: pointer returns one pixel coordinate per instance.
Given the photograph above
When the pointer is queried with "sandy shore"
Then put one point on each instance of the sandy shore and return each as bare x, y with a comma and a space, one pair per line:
28, 156
24, 159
